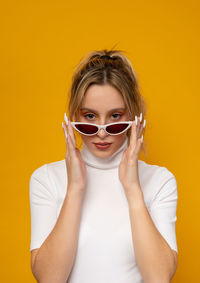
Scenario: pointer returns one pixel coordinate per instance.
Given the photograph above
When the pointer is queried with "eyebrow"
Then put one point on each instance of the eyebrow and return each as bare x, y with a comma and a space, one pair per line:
115, 109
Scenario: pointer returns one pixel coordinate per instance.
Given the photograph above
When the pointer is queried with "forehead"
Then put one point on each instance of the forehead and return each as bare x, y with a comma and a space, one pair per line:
102, 98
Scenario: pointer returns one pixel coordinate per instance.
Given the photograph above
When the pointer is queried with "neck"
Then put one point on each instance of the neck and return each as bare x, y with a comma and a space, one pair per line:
112, 161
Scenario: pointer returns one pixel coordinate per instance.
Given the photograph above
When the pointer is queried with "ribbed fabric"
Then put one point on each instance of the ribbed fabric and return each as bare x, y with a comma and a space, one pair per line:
103, 163
105, 250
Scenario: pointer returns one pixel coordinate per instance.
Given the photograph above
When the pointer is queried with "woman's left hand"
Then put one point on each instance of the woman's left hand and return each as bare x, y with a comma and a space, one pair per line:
128, 168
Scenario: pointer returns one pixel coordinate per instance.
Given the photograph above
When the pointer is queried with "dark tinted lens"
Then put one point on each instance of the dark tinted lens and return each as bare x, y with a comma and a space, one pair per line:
87, 129
115, 129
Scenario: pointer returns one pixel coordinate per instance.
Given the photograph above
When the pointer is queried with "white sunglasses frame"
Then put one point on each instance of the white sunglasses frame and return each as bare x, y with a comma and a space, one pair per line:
98, 126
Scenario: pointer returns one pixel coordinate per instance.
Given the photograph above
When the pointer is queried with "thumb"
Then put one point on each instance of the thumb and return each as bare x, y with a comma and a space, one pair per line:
124, 155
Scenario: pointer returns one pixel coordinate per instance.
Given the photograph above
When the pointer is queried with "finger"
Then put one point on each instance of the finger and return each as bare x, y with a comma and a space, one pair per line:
71, 132
65, 131
138, 146
139, 119
133, 137
124, 155
142, 125
70, 145
66, 139
70, 129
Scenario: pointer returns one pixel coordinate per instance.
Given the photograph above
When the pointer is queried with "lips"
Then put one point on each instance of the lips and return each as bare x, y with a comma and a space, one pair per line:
102, 143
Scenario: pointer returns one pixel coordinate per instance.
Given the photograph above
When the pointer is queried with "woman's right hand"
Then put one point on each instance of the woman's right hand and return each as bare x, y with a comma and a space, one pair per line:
76, 169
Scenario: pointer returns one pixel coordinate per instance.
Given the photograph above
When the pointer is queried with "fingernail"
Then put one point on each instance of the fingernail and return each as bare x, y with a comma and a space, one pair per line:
136, 120
142, 139
65, 118
141, 117
144, 124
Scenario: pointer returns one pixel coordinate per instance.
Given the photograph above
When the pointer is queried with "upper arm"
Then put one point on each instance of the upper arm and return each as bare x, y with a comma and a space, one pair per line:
33, 256
43, 206
175, 256
163, 207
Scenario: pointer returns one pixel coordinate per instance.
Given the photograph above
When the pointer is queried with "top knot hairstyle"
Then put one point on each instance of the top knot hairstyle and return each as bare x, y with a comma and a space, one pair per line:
107, 67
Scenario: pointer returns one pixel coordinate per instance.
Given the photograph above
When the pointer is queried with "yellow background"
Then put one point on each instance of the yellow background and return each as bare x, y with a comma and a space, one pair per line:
41, 43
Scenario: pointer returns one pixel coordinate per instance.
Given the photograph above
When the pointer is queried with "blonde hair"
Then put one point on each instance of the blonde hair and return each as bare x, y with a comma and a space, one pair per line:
117, 72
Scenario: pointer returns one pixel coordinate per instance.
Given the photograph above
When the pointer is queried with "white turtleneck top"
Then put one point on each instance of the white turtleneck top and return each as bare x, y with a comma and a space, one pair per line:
105, 251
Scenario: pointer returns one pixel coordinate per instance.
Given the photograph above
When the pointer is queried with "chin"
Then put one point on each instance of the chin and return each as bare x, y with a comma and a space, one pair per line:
102, 154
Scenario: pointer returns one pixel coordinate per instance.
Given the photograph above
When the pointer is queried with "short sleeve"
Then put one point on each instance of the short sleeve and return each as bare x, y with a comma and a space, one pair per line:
43, 206
163, 208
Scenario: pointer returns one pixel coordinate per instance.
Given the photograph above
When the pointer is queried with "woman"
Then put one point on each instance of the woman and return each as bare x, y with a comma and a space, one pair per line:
102, 215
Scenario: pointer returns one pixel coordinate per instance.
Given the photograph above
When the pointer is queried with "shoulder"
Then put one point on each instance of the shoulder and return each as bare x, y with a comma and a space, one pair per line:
156, 179
49, 169
154, 172
45, 177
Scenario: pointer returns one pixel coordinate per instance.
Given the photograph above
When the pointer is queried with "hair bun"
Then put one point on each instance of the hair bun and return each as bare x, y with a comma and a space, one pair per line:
108, 57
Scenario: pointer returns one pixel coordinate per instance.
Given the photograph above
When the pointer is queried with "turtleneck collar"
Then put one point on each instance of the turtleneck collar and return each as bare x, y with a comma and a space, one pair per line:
103, 163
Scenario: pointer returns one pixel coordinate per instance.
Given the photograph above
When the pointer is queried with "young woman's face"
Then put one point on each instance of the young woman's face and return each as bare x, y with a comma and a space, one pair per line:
100, 101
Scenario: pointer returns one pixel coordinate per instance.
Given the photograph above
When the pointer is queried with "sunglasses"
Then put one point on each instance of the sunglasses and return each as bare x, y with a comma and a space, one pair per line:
89, 129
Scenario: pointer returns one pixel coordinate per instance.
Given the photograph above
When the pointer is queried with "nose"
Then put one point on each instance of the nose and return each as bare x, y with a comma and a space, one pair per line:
102, 133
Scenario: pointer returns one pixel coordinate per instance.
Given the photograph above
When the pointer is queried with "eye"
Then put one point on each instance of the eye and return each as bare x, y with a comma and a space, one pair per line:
119, 115
90, 115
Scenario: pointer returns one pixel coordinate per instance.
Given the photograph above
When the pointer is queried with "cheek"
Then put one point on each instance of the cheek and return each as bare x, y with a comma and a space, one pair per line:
119, 138
86, 139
